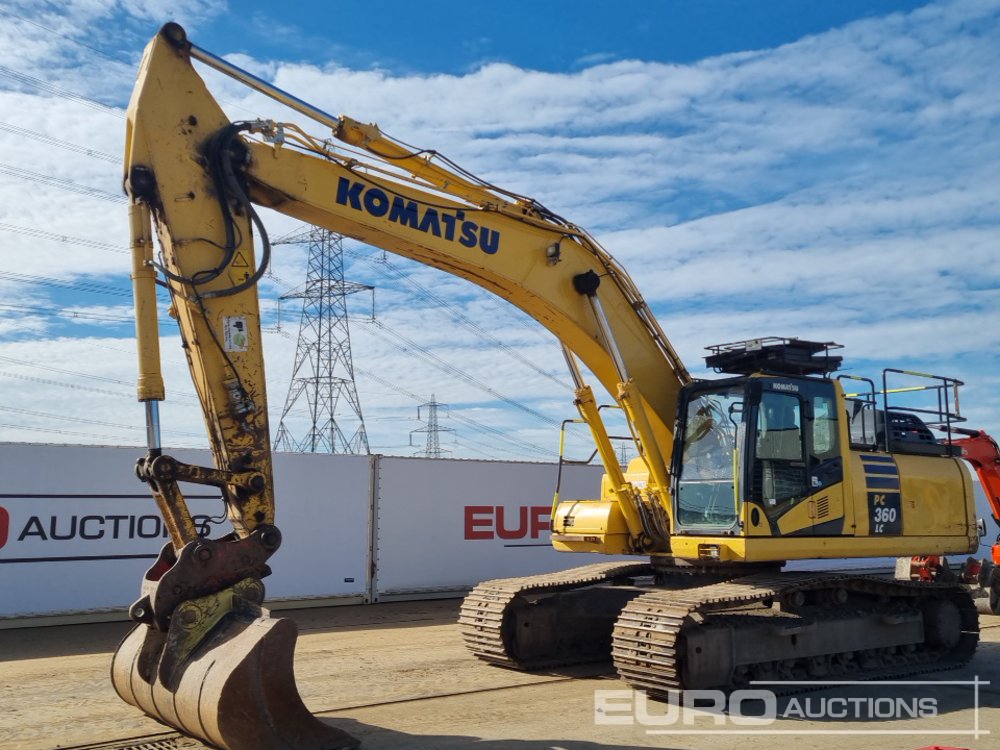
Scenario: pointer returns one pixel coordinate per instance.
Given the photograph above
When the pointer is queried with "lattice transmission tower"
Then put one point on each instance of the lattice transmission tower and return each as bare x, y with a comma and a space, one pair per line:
433, 430
323, 374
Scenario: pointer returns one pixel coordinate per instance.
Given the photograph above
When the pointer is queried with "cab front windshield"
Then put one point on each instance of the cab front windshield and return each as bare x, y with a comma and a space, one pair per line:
713, 432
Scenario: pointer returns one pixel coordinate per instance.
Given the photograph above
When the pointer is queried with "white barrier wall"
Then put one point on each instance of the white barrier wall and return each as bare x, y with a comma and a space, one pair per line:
78, 530
451, 524
323, 506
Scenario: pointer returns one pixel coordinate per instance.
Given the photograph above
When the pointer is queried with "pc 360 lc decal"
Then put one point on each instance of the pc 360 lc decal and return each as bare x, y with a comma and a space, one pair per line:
449, 224
885, 507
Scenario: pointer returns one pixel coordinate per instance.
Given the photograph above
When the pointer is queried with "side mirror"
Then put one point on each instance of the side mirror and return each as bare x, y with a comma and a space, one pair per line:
981, 527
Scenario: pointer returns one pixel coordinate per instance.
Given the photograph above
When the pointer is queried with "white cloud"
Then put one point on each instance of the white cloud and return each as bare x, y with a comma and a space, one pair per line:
839, 187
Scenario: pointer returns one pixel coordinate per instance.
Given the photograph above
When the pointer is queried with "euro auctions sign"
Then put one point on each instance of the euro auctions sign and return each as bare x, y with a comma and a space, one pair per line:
63, 528
82, 548
81, 503
523, 522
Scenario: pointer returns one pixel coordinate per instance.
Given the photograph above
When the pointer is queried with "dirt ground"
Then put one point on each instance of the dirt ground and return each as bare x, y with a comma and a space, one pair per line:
397, 676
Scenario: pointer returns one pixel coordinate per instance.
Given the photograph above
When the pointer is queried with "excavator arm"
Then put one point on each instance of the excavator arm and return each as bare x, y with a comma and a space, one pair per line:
981, 450
204, 656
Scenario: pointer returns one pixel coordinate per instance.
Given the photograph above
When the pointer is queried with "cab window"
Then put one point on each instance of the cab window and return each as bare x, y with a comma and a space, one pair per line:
797, 449
706, 495
824, 428
779, 427
779, 475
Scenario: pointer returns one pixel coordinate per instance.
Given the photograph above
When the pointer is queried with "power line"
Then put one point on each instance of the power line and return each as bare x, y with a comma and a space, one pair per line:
43, 235
76, 286
486, 450
494, 431
521, 445
49, 140
439, 363
48, 88
59, 370
59, 34
68, 313
392, 271
56, 431
113, 439
61, 384
167, 358
74, 187
84, 420
502, 435
76, 374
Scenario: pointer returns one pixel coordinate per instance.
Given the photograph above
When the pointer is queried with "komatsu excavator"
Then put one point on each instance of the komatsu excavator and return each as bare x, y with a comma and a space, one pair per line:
775, 462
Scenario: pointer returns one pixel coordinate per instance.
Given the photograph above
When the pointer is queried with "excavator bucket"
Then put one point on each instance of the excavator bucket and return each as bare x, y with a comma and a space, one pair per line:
235, 689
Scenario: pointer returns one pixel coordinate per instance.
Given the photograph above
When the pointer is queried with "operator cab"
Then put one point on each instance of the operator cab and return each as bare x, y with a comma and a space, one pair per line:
750, 449
768, 436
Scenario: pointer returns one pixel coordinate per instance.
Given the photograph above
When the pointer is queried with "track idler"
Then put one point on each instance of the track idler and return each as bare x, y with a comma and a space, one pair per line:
222, 668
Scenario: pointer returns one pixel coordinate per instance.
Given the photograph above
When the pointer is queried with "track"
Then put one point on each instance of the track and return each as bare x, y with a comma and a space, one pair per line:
488, 614
648, 653
805, 625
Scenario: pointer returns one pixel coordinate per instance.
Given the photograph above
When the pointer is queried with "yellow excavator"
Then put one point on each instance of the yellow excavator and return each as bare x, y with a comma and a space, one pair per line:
777, 461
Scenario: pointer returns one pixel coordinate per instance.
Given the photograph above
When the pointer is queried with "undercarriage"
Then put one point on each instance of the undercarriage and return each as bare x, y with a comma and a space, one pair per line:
668, 630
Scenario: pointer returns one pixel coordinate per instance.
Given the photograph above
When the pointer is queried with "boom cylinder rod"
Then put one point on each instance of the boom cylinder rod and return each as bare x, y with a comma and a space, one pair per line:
630, 399
609, 340
258, 84
591, 415
153, 426
574, 368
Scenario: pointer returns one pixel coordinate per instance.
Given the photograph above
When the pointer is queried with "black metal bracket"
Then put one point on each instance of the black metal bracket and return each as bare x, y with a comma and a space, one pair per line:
201, 568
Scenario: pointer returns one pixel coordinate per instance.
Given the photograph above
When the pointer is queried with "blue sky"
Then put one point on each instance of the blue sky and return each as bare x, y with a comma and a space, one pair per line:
818, 169
444, 36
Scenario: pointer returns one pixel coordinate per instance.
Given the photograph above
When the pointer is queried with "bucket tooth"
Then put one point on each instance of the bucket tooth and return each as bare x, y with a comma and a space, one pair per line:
235, 691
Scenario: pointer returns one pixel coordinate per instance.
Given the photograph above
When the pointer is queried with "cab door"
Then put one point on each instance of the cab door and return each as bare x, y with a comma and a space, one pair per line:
796, 471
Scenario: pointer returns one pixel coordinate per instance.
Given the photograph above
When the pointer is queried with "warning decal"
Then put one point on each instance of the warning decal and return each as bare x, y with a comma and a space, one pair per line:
234, 334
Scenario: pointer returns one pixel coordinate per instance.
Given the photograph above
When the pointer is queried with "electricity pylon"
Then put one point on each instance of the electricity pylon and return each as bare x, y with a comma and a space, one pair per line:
432, 444
323, 375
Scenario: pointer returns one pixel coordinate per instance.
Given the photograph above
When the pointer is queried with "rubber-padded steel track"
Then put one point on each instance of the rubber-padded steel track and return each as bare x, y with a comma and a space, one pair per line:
647, 643
483, 613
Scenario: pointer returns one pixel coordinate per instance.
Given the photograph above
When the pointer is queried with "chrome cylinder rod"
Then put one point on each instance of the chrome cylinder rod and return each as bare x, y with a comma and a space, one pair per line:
153, 425
258, 84
574, 368
610, 345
